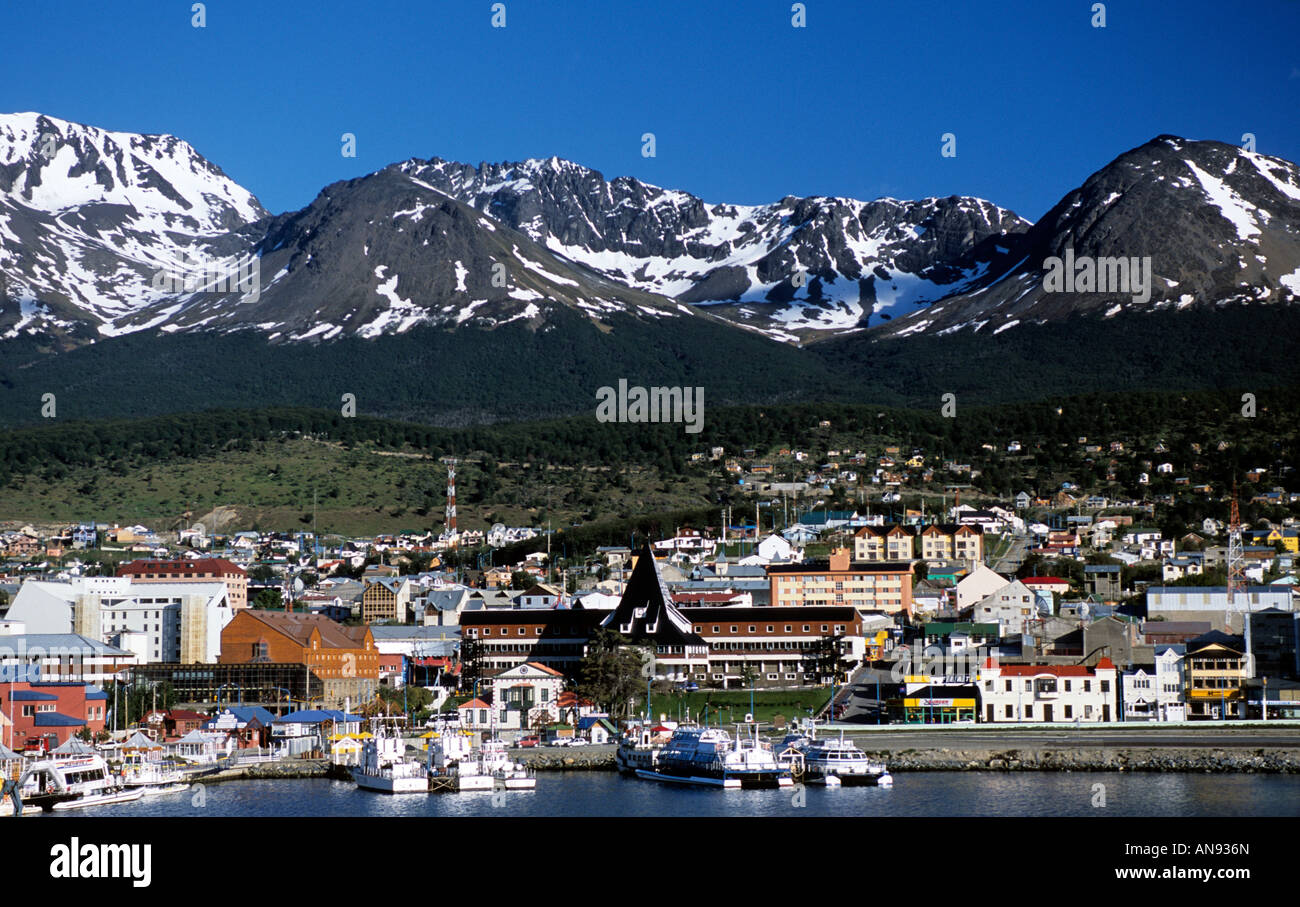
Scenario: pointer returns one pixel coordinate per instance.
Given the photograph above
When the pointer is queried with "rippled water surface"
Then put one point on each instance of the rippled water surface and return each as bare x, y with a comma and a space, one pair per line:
608, 794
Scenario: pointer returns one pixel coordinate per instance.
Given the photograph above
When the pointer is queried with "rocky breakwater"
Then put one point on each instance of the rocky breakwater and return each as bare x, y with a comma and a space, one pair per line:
564, 759
1128, 759
273, 771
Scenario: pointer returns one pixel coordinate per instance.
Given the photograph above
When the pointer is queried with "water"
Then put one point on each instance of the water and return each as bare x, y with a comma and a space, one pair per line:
924, 794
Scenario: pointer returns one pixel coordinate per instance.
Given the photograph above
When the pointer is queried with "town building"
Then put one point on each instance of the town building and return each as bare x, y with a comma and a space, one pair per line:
345, 659
1153, 691
1047, 693
1185, 603
779, 646
978, 585
505, 638
1012, 607
165, 621
527, 697
1217, 668
1104, 580
387, 599
838, 581
198, 570
66, 657
46, 714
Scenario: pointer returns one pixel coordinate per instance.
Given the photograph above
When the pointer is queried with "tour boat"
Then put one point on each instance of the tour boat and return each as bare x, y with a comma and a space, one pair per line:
832, 761
708, 756
72, 783
384, 767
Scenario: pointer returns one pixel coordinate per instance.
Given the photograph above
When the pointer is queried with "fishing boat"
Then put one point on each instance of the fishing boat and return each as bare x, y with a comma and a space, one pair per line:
153, 778
455, 764
72, 783
385, 769
708, 756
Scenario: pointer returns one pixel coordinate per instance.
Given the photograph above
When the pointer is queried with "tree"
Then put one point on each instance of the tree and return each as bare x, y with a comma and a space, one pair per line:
612, 672
269, 599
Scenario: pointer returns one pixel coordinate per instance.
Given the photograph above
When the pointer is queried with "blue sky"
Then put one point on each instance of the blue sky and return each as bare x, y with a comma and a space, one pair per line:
744, 107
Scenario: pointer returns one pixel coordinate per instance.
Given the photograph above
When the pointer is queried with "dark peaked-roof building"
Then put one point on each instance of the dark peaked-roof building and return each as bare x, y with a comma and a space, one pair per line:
647, 617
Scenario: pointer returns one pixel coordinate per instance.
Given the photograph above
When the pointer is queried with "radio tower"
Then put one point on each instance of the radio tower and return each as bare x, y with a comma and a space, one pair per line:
450, 530
1236, 559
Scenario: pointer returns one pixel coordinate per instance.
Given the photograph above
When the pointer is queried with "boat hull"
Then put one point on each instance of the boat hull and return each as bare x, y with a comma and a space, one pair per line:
849, 779
126, 796
730, 781
386, 785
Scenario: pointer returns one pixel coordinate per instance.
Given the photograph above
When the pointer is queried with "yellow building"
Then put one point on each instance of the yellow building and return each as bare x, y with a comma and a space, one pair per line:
1216, 668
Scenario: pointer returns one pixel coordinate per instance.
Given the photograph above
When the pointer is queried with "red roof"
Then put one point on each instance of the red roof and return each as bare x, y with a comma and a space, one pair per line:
198, 565
544, 669
1045, 579
474, 704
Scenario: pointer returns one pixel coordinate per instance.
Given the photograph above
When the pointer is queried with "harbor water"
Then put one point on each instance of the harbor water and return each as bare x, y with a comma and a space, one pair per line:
916, 794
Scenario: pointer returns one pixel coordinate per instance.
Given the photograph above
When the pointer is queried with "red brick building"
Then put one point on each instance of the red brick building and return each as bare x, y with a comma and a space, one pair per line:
51, 712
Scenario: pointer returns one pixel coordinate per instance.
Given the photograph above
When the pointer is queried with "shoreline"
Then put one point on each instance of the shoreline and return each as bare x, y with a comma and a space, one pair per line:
1194, 760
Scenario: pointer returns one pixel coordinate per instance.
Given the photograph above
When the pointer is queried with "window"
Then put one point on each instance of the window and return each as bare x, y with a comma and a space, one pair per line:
1008, 686
521, 631
1010, 713
1029, 711
806, 628
1069, 711
1105, 686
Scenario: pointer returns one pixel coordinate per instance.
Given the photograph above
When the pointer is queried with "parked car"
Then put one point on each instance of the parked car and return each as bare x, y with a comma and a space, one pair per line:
578, 741
530, 740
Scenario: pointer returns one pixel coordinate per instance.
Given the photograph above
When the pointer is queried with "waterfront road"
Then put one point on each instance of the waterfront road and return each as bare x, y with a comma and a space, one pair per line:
1094, 738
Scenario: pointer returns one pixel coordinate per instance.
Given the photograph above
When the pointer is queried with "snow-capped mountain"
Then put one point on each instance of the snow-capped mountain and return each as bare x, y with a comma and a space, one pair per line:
88, 217
795, 266
105, 233
383, 253
1217, 224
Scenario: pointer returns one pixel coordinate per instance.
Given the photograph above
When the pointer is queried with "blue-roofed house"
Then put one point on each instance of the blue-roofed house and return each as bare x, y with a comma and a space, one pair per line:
249, 724
305, 731
597, 729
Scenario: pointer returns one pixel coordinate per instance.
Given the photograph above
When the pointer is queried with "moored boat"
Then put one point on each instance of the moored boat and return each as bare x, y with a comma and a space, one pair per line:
385, 769
76, 782
832, 761
707, 756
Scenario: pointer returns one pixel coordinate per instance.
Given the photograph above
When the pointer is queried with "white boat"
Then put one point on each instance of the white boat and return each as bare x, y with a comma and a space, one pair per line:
74, 782
707, 756
153, 778
833, 761
385, 769
638, 750
455, 764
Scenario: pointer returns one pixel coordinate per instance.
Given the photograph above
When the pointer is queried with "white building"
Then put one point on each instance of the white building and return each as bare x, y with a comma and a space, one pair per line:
1154, 691
178, 622
524, 695
1046, 693
977, 585
1010, 607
